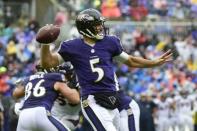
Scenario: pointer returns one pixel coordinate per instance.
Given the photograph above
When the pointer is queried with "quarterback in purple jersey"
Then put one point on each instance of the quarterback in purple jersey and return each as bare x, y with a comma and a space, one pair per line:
92, 57
40, 91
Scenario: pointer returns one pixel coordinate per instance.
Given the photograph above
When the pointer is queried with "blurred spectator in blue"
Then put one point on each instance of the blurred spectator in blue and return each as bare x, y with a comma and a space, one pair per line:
125, 8
2, 53
122, 76
193, 9
177, 11
194, 33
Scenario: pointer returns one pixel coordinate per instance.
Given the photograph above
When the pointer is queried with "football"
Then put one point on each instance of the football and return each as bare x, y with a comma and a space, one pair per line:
48, 34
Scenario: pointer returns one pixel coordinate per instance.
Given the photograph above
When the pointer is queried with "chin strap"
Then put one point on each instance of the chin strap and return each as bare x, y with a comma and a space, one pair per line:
97, 37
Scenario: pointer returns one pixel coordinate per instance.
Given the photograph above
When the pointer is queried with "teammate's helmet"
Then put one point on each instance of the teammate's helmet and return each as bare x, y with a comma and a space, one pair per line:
64, 68
87, 21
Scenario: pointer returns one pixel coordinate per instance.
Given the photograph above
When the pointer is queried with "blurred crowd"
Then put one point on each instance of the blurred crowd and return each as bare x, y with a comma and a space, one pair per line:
19, 51
167, 95
179, 73
138, 10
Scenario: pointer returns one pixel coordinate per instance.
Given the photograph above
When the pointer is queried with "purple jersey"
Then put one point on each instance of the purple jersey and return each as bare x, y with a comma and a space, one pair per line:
93, 64
125, 100
39, 90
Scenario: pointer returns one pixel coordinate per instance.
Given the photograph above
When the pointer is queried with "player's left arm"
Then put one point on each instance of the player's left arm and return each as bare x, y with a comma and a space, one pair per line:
139, 62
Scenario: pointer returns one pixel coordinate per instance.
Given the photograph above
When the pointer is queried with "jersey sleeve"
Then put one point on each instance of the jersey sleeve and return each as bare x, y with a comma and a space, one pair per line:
64, 51
24, 81
118, 49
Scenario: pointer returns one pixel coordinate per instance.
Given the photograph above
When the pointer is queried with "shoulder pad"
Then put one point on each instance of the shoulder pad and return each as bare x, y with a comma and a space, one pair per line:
55, 77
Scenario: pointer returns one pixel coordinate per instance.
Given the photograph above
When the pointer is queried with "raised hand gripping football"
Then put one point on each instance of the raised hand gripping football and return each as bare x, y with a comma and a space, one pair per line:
48, 34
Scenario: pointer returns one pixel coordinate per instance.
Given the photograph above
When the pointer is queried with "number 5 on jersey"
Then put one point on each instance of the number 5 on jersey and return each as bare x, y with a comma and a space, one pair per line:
98, 70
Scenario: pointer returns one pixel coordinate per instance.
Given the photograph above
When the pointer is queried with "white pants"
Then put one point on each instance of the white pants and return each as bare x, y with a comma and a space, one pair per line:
185, 120
163, 123
100, 118
37, 119
125, 114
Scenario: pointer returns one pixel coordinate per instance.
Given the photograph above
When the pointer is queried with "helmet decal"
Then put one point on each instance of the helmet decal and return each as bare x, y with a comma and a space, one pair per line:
85, 16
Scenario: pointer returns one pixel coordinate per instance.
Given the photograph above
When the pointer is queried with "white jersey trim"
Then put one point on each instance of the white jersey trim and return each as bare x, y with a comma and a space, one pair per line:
116, 82
122, 57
